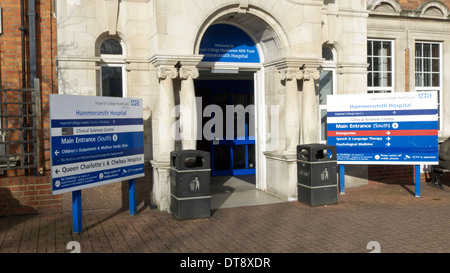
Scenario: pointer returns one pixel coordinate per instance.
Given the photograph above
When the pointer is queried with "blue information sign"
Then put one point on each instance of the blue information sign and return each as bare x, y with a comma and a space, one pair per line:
394, 128
227, 43
95, 141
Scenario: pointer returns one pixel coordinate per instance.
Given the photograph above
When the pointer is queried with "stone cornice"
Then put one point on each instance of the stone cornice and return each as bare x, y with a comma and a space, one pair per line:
167, 65
172, 60
192, 60
67, 58
298, 68
289, 63
163, 60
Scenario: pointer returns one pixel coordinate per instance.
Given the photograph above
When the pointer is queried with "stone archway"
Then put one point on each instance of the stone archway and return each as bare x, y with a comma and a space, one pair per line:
272, 45
287, 73
259, 25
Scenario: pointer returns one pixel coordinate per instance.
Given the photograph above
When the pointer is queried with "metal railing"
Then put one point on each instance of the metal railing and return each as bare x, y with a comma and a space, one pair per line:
20, 117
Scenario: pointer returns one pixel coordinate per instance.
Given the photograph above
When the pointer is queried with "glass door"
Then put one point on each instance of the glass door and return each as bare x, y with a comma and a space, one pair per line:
234, 153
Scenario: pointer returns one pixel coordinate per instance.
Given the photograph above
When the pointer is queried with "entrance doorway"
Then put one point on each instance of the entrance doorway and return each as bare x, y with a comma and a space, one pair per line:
232, 77
233, 160
233, 147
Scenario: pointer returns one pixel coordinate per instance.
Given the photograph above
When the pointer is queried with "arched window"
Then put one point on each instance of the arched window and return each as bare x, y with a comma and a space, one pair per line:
387, 7
111, 46
434, 9
327, 53
112, 68
327, 86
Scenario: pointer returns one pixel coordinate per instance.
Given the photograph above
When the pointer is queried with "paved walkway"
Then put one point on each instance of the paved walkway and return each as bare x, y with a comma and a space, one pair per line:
389, 215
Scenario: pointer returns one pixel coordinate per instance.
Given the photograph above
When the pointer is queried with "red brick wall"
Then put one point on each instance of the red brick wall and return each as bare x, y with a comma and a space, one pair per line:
391, 174
46, 62
414, 4
27, 195
20, 194
11, 56
10, 45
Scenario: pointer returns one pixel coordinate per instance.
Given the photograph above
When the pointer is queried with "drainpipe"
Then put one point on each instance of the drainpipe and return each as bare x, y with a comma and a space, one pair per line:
23, 29
32, 38
32, 47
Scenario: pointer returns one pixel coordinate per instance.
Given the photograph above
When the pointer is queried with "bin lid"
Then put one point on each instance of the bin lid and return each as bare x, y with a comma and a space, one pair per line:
190, 159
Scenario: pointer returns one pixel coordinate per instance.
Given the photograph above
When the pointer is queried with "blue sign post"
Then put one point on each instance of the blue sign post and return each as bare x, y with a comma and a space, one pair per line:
394, 128
95, 141
342, 179
76, 212
132, 196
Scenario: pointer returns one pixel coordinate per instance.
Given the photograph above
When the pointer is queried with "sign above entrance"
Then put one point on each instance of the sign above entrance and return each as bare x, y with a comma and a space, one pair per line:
227, 43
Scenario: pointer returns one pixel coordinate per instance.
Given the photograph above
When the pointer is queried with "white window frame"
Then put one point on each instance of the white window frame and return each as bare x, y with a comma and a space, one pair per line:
383, 89
124, 80
431, 88
113, 60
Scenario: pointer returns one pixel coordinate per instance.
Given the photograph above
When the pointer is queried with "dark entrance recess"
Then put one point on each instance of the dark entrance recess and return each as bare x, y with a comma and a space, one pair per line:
234, 155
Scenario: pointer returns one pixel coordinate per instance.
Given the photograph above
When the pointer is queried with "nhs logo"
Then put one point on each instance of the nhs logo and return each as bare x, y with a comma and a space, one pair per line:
424, 95
134, 102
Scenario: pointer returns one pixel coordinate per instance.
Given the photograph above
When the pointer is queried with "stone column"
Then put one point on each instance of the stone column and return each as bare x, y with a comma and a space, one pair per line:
166, 104
161, 185
310, 110
167, 70
188, 109
291, 109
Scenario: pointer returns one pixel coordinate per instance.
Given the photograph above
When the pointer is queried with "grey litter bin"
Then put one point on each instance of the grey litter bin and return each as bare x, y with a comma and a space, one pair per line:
317, 174
190, 183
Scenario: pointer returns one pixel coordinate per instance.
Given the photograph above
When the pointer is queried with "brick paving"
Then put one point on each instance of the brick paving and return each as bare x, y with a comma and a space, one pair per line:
386, 213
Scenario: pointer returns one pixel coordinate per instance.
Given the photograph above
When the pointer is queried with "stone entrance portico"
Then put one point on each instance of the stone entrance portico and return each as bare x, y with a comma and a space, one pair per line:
161, 62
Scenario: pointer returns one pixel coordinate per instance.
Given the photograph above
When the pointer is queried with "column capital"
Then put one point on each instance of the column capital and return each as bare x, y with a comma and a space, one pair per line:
310, 74
290, 74
165, 65
189, 71
164, 72
297, 68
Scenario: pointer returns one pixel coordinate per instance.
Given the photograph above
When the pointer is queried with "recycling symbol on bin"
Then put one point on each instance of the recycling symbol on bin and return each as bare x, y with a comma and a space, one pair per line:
195, 185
